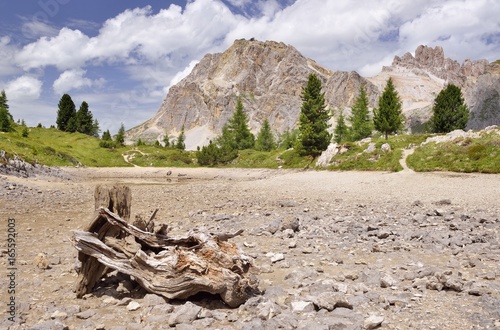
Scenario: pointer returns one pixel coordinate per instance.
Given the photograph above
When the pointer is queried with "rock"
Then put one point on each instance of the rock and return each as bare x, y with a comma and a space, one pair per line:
133, 306
41, 261
371, 148
86, 314
59, 315
272, 72
373, 322
386, 147
186, 313
302, 306
50, 325
383, 234
153, 300
331, 300
387, 281
275, 257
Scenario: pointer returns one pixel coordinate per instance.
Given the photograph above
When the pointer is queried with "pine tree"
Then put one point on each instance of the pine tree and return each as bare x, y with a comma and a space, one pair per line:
265, 139
341, 130
106, 136
288, 139
120, 137
313, 121
388, 118
66, 114
5, 104
361, 124
95, 128
84, 120
166, 140
5, 120
180, 140
237, 133
449, 111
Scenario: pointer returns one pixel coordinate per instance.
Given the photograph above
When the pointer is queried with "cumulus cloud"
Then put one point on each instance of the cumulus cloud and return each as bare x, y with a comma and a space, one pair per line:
74, 79
7, 54
24, 88
156, 49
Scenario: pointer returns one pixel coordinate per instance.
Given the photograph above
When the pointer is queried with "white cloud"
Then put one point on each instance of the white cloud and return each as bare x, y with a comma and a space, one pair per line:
35, 29
65, 51
157, 49
7, 53
74, 79
23, 88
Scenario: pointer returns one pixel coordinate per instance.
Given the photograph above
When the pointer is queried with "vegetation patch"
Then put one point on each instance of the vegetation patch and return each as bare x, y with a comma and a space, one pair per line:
461, 155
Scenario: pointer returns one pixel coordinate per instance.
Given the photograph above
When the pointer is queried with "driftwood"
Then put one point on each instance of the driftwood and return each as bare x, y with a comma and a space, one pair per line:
114, 198
174, 267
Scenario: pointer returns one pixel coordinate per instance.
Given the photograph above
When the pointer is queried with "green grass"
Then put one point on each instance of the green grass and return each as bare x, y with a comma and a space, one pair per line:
151, 156
356, 159
462, 155
273, 159
55, 148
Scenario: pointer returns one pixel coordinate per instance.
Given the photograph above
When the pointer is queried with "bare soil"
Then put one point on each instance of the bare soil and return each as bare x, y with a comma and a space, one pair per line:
337, 211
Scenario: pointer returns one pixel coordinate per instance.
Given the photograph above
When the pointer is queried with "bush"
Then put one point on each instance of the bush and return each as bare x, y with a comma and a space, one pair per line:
212, 155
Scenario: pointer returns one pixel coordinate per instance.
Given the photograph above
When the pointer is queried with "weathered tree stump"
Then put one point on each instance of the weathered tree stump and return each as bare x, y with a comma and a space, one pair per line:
118, 199
174, 267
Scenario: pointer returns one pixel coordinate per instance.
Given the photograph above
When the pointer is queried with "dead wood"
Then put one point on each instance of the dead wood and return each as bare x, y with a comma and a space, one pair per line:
174, 267
116, 198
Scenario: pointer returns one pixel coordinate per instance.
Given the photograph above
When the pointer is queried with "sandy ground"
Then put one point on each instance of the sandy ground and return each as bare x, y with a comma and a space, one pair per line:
46, 209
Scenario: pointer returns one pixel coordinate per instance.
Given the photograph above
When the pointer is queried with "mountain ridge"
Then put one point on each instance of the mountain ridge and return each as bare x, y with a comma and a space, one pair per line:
269, 77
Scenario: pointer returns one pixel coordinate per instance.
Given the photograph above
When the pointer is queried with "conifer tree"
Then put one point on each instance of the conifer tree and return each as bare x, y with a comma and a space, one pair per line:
341, 130
449, 111
5, 120
388, 118
95, 128
166, 140
120, 137
235, 134
106, 136
66, 120
313, 121
180, 140
5, 104
361, 124
265, 139
84, 120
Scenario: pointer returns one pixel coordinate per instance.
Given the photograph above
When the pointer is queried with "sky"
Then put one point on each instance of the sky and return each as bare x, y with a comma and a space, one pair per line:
121, 56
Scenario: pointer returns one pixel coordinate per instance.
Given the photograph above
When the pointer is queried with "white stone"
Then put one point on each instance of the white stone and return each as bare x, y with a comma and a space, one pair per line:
277, 257
302, 306
133, 306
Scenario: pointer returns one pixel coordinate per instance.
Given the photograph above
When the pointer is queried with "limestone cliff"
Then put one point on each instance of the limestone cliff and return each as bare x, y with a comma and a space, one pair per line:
269, 77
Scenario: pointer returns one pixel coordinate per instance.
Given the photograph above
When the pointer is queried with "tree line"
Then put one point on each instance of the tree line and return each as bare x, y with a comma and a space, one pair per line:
70, 120
449, 112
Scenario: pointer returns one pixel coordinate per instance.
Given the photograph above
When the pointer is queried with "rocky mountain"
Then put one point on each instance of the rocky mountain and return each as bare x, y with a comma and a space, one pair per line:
269, 77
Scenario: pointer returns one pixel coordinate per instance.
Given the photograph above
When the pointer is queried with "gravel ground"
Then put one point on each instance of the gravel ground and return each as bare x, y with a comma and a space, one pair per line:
335, 250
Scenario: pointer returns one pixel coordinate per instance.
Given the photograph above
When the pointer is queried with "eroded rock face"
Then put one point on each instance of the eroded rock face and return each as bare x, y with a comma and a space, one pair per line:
269, 77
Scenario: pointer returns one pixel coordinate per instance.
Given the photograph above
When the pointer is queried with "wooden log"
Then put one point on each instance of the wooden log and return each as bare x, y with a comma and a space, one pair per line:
117, 198
174, 267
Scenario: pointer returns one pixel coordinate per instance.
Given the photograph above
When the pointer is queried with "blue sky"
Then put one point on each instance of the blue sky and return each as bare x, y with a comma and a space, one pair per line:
122, 56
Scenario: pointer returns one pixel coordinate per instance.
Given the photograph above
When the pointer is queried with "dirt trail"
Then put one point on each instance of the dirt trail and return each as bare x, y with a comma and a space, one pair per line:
402, 161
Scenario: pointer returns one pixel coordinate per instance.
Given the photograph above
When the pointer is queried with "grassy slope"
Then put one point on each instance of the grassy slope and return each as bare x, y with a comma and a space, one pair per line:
462, 155
54, 148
